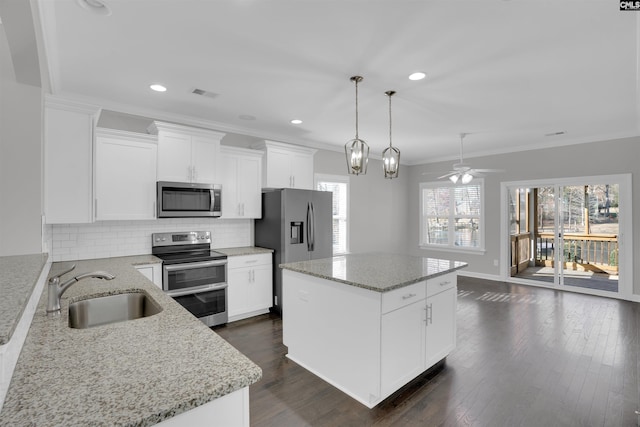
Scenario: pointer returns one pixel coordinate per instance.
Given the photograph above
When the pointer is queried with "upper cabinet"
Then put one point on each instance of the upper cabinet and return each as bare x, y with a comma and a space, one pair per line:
241, 171
68, 161
286, 166
187, 154
125, 172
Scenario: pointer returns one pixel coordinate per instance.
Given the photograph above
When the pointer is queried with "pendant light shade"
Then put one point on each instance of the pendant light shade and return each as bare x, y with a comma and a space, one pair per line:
356, 150
391, 155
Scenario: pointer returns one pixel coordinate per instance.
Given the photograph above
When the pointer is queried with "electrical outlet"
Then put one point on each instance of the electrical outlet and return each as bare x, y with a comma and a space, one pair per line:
495, 263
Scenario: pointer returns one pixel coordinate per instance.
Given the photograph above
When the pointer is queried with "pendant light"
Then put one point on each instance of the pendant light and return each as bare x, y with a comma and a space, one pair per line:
356, 150
391, 155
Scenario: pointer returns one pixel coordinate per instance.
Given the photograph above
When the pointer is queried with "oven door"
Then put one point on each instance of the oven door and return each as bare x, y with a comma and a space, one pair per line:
208, 304
193, 276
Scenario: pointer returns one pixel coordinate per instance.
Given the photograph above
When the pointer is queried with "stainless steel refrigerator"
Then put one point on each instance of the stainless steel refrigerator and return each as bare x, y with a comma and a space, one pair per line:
298, 226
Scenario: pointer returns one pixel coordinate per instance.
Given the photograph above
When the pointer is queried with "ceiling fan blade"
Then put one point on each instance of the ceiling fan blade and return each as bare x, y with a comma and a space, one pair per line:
448, 175
489, 170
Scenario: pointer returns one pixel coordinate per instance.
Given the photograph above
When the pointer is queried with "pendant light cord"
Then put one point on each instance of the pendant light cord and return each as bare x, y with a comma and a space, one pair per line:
390, 93
356, 80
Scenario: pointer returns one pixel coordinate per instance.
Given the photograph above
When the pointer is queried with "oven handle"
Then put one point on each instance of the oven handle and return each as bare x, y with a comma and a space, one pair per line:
192, 265
193, 291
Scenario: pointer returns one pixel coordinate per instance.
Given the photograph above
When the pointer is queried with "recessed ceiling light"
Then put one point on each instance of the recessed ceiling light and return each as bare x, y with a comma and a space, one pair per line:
417, 76
296, 121
158, 88
96, 6
246, 117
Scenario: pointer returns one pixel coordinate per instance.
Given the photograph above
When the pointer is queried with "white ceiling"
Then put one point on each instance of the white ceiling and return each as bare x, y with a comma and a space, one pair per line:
507, 72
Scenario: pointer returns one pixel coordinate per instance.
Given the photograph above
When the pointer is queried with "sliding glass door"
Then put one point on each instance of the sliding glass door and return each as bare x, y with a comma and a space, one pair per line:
589, 230
567, 235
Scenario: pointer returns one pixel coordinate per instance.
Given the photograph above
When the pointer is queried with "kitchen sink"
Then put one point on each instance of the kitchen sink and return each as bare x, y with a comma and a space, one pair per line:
111, 309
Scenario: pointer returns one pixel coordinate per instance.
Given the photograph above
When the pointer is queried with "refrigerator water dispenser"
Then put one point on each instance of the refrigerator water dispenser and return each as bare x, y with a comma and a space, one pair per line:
296, 233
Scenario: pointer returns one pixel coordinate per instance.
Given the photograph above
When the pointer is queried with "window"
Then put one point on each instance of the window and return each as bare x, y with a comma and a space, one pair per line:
339, 185
451, 216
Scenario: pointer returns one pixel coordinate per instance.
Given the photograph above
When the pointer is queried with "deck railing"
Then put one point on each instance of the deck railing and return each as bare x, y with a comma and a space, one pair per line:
589, 251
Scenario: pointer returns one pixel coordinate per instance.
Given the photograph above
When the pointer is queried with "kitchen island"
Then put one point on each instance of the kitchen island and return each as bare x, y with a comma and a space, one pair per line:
166, 368
369, 323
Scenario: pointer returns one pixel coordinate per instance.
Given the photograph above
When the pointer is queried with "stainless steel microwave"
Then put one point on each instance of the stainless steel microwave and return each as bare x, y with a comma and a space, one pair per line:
186, 200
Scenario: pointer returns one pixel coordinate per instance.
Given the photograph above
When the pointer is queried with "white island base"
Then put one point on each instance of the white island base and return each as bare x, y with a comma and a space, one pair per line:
365, 342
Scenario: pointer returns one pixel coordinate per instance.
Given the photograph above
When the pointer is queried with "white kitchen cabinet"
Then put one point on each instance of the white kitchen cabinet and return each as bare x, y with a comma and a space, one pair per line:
68, 161
153, 272
250, 285
125, 175
403, 346
241, 183
187, 154
286, 165
371, 343
440, 318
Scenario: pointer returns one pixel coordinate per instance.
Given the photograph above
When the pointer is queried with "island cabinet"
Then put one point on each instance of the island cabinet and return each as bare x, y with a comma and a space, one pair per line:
286, 165
250, 285
241, 182
187, 154
365, 342
419, 333
125, 175
68, 159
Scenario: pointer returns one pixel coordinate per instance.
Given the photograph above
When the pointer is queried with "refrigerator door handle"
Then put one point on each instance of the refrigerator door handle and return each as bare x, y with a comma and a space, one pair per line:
309, 227
313, 227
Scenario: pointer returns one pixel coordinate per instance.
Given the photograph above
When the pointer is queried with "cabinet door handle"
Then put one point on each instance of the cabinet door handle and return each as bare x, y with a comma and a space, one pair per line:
294, 181
408, 296
429, 314
95, 215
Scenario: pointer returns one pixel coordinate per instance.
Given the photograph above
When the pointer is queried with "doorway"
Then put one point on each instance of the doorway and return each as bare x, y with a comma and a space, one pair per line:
568, 234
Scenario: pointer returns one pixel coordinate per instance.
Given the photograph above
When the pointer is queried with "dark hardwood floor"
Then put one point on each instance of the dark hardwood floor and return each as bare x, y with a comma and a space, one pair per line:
525, 356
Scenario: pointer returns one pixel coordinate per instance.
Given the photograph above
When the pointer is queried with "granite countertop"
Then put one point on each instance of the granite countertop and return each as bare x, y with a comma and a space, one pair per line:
19, 276
377, 272
138, 372
247, 250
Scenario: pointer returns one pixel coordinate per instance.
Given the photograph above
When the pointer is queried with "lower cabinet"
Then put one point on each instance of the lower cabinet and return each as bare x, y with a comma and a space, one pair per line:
368, 344
419, 334
403, 346
153, 272
441, 326
250, 285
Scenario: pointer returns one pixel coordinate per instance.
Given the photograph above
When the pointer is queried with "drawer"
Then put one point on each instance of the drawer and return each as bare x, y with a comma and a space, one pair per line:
248, 260
403, 296
441, 283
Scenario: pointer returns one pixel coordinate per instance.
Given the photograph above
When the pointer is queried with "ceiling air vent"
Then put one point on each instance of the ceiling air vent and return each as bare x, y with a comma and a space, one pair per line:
203, 92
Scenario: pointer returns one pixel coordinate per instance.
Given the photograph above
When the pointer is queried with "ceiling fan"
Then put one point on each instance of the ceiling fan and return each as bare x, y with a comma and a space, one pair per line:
462, 171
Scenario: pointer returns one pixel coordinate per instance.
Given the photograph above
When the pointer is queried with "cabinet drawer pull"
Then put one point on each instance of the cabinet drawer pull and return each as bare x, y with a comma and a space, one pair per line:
445, 283
251, 261
408, 296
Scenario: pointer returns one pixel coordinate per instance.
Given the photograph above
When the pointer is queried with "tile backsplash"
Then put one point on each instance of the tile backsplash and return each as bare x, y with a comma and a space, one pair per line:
105, 239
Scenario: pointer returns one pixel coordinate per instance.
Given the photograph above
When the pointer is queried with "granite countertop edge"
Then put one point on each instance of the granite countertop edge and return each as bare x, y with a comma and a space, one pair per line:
20, 274
167, 363
354, 278
244, 250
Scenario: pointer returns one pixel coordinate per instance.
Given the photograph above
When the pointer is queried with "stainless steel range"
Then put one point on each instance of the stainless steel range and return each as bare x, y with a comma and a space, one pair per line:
193, 274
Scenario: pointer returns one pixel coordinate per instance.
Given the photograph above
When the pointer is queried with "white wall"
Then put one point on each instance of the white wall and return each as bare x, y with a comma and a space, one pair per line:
598, 158
378, 206
20, 160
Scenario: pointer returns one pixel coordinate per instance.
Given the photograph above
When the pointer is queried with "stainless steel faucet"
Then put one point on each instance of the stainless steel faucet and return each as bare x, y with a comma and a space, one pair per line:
56, 289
